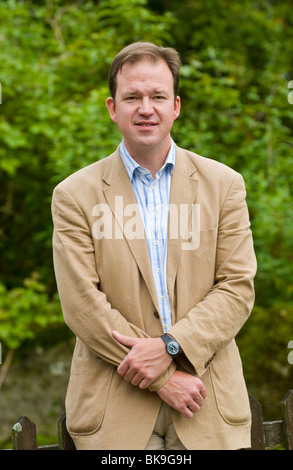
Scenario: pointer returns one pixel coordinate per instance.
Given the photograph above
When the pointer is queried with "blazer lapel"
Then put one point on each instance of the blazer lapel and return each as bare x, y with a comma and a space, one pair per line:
120, 197
183, 191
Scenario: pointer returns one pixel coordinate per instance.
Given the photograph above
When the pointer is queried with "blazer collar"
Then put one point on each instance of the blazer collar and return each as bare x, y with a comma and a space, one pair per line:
183, 190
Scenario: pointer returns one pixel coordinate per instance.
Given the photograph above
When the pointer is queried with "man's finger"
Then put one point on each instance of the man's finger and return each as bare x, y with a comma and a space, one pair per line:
186, 412
125, 340
122, 368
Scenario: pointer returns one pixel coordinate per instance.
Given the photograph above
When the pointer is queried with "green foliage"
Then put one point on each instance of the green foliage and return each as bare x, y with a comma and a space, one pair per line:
264, 346
237, 63
25, 311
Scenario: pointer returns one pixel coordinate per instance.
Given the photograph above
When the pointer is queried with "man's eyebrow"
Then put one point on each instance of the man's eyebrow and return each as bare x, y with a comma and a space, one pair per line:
159, 91
129, 92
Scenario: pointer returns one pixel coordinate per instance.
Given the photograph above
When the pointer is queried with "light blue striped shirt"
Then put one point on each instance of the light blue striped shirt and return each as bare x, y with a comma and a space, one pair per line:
152, 196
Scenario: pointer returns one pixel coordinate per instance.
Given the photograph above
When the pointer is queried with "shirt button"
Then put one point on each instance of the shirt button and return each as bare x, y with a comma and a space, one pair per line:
156, 242
162, 297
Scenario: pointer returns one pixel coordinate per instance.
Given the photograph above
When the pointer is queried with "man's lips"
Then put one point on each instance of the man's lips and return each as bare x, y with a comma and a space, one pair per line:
146, 124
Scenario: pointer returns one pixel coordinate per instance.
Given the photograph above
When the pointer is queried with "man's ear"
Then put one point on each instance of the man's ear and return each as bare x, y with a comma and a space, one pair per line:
110, 103
177, 106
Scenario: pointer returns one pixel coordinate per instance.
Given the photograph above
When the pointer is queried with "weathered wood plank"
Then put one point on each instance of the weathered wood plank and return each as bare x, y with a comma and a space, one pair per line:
287, 416
273, 434
65, 440
24, 435
257, 437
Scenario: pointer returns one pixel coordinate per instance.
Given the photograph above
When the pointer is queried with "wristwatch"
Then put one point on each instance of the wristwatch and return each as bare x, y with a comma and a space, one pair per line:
172, 346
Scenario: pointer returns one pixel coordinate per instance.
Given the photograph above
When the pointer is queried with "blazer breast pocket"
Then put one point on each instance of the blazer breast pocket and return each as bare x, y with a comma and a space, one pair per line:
196, 270
198, 240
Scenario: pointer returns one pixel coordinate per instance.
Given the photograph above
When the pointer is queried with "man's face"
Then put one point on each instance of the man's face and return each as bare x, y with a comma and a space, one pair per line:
145, 107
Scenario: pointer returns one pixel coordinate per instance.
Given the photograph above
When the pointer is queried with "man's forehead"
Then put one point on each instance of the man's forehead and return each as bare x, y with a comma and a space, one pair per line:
157, 73
142, 65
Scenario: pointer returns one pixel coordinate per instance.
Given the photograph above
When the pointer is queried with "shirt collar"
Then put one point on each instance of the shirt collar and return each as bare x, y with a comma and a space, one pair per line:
131, 165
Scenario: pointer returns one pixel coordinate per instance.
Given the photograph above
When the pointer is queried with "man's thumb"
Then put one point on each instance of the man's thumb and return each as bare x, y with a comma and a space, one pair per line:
125, 340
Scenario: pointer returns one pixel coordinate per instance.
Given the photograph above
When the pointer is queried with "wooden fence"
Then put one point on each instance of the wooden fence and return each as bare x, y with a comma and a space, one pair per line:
264, 435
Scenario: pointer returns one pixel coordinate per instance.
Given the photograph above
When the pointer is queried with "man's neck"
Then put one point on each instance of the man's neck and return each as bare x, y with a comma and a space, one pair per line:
150, 158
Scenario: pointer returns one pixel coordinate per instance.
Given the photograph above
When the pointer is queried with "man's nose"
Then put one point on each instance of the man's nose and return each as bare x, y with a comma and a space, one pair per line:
146, 107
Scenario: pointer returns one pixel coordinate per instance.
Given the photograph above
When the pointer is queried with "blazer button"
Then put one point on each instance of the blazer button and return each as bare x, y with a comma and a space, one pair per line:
156, 314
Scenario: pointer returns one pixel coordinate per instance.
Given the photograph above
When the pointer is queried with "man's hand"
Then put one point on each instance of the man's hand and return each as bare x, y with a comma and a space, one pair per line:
184, 392
146, 361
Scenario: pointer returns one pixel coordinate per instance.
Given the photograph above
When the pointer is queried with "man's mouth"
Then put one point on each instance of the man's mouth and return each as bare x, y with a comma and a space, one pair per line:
146, 124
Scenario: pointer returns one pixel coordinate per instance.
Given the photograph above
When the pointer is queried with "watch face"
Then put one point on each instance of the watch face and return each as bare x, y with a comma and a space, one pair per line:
173, 348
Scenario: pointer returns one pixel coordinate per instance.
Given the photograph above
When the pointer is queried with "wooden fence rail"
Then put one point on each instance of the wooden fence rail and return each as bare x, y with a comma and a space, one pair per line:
264, 435
272, 434
24, 436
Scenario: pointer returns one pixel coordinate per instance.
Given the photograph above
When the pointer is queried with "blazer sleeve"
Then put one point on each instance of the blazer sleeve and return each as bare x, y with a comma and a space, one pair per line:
85, 308
214, 322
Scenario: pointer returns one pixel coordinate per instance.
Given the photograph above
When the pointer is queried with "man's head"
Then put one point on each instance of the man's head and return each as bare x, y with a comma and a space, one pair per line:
140, 50
145, 103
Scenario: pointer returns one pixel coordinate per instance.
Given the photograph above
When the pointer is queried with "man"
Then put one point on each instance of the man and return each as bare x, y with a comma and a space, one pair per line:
154, 264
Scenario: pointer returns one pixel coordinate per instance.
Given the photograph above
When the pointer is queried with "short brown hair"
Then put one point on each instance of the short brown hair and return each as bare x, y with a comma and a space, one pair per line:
139, 50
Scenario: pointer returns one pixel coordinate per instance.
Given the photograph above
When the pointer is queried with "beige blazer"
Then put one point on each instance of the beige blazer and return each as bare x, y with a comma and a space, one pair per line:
105, 282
